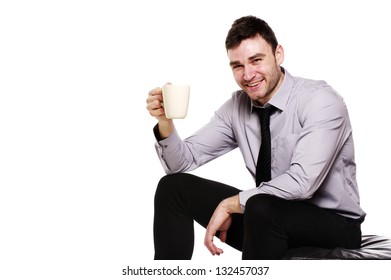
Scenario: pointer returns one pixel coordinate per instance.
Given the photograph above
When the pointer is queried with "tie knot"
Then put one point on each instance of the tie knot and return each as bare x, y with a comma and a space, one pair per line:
264, 116
264, 111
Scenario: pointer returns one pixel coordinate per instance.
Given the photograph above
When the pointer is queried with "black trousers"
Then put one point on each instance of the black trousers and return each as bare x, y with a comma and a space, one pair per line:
267, 229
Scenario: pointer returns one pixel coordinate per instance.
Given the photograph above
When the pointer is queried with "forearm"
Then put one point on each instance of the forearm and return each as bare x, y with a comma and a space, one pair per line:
209, 142
165, 128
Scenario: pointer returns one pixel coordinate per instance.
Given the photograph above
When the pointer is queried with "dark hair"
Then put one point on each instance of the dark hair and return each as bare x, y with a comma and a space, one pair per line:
249, 27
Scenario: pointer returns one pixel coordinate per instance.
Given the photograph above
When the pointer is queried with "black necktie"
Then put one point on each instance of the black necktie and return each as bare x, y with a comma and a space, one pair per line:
263, 172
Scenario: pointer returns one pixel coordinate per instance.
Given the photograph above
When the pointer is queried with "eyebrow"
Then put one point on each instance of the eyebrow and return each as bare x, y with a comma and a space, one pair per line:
234, 63
257, 55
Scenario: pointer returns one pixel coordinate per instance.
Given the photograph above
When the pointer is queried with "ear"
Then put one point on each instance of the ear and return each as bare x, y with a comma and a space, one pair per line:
279, 54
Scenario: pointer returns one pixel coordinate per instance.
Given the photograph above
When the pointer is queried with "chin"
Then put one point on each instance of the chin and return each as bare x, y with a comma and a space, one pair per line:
256, 95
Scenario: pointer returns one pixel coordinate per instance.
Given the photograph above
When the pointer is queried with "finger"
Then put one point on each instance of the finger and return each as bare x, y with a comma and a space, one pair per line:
155, 91
157, 113
155, 108
152, 98
214, 250
219, 251
208, 242
223, 236
154, 104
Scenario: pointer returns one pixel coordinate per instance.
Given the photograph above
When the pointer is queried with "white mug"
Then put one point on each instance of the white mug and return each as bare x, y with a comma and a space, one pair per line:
176, 100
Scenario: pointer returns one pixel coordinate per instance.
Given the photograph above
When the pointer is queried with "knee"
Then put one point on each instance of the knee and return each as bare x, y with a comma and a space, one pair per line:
169, 186
260, 208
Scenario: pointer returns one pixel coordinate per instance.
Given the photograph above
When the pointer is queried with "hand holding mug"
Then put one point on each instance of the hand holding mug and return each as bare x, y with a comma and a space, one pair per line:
155, 104
169, 102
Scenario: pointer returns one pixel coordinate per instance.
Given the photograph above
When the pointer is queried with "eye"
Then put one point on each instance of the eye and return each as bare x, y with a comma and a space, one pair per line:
257, 60
236, 67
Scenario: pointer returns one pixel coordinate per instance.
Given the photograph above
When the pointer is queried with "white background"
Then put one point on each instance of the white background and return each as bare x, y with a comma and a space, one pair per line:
78, 168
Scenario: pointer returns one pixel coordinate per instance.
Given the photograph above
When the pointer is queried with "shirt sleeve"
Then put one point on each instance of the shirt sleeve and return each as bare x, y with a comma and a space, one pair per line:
325, 129
211, 141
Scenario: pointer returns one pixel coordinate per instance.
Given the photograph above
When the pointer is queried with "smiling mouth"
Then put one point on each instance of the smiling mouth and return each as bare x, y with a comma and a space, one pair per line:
253, 84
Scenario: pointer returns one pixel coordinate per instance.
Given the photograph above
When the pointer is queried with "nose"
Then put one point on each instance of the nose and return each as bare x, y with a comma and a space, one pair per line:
249, 73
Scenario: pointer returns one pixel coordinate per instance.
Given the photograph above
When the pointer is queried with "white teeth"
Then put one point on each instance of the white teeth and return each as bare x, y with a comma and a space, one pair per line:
253, 84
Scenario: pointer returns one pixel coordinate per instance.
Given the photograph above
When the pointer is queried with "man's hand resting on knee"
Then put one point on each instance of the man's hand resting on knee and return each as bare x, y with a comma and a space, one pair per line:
221, 221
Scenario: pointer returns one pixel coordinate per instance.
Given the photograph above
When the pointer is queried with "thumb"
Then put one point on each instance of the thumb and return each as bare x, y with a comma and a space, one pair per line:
223, 236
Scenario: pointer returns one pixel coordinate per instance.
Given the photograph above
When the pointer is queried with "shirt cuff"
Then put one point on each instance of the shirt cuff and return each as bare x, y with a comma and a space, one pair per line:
245, 195
165, 147
170, 142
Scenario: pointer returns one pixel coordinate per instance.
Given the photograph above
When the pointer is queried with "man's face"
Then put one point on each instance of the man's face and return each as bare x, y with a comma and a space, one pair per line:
256, 69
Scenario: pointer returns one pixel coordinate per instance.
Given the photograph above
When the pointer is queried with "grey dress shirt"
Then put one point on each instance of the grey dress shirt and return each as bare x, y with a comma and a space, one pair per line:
311, 142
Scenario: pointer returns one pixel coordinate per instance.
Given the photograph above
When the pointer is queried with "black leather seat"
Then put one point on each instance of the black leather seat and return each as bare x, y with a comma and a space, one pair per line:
373, 247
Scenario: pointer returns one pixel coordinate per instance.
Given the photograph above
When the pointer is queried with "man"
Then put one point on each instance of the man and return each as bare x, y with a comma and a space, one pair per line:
306, 192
